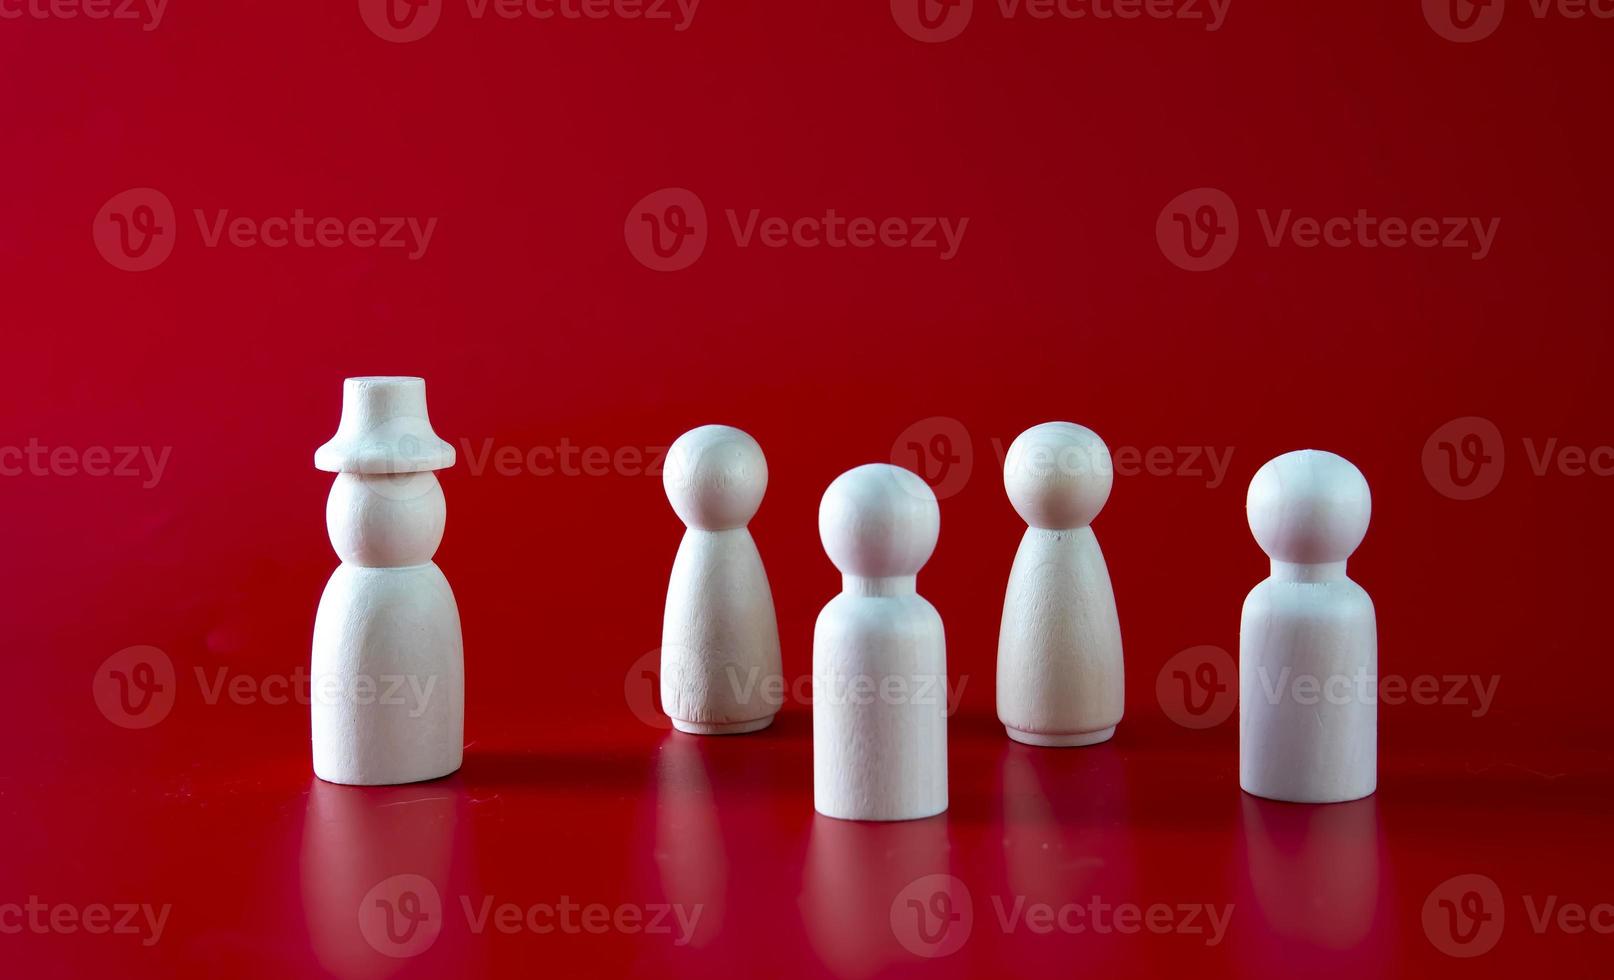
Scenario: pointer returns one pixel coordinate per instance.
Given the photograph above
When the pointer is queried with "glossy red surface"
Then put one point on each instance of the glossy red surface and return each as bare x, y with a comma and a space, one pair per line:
704, 855
1470, 391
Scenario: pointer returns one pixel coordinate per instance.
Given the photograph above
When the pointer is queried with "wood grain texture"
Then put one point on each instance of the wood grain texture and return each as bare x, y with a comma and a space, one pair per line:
1060, 672
721, 670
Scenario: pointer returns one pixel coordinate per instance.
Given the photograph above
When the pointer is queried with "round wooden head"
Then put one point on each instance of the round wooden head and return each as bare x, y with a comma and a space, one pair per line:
715, 477
879, 521
386, 520
1309, 507
1058, 475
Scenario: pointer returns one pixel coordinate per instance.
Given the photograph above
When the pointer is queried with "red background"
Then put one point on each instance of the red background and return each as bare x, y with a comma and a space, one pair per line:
1060, 141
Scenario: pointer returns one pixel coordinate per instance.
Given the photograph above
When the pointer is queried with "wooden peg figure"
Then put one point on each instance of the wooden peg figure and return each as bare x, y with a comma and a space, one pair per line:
387, 682
879, 653
1060, 673
1308, 641
721, 672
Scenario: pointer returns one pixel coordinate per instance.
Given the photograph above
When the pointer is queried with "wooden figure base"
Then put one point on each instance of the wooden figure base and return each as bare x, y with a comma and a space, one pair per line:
1061, 741
342, 778
861, 818
1310, 800
722, 727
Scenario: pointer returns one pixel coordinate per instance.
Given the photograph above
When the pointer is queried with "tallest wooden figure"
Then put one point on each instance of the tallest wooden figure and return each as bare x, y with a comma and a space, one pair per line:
388, 678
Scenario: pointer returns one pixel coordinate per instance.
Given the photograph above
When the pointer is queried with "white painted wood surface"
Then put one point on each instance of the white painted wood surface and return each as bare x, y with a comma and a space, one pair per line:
1308, 641
387, 685
879, 654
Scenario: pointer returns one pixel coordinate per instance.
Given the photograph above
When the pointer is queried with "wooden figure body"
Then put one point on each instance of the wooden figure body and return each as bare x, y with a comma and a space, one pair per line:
879, 654
387, 678
1060, 676
721, 672
1308, 642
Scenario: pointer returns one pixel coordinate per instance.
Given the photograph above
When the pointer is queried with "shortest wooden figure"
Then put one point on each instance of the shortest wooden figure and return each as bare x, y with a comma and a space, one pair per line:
388, 676
879, 653
1308, 643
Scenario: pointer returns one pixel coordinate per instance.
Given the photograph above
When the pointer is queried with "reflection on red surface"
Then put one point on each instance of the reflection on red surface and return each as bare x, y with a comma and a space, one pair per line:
875, 895
689, 851
1064, 830
1066, 843
380, 883
1313, 886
